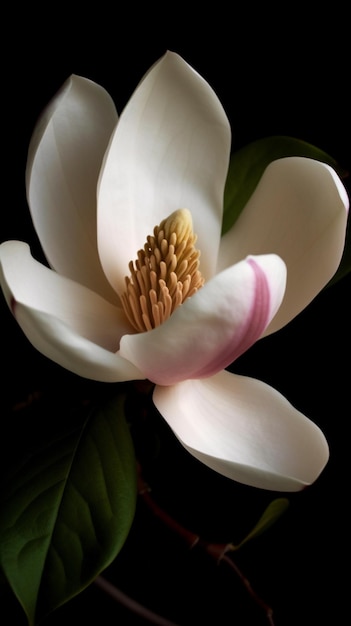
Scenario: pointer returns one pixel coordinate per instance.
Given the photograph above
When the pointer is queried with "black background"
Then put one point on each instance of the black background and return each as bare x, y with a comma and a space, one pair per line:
276, 73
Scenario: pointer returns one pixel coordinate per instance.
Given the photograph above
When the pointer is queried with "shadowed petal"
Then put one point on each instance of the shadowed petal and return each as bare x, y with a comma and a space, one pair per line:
65, 321
298, 211
63, 345
64, 160
170, 151
245, 430
213, 327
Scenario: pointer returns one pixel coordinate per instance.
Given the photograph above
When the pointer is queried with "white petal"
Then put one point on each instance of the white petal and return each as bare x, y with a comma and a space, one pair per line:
245, 430
298, 211
63, 345
170, 151
65, 321
64, 160
213, 327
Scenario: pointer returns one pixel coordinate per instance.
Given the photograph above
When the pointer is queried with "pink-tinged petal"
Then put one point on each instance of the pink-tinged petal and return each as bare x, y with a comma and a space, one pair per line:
64, 160
213, 327
65, 321
298, 211
170, 151
245, 430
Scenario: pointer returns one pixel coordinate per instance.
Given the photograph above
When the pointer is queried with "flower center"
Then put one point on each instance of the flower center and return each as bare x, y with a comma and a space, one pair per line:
165, 273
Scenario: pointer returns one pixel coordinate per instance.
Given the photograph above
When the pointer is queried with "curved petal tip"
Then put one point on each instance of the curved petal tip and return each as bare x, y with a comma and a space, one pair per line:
245, 430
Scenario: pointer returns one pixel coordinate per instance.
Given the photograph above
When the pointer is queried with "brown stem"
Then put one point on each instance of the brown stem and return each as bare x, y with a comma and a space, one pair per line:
217, 551
267, 609
132, 605
190, 538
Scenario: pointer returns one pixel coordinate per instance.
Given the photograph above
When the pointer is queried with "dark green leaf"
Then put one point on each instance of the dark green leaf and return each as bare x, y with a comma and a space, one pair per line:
68, 511
248, 164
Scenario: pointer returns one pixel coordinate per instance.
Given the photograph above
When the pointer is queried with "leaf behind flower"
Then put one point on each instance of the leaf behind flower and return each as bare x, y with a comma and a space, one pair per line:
68, 510
247, 166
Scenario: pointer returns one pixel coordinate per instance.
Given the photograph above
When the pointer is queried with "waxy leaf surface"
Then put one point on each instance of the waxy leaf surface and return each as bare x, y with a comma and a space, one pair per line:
68, 510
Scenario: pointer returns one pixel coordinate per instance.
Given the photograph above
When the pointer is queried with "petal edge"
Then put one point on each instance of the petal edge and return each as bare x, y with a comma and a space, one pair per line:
245, 430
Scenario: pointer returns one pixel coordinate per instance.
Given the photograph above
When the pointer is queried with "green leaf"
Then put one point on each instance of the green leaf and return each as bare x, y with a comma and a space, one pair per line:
248, 164
68, 510
274, 510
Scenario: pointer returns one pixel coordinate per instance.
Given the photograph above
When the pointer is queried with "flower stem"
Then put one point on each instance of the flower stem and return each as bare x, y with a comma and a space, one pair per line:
135, 607
267, 609
217, 551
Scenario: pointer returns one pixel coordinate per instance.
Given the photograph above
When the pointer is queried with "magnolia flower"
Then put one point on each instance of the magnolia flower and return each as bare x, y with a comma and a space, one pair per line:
123, 207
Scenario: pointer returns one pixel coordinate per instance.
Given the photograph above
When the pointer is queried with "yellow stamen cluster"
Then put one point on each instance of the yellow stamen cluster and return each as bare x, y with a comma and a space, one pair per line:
165, 273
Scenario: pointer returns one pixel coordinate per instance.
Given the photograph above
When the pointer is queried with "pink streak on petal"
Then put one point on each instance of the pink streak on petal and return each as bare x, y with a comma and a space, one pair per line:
255, 323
